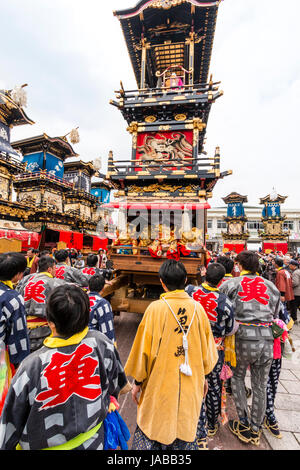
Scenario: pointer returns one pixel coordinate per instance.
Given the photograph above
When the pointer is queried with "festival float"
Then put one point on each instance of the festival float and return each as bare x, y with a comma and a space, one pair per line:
274, 237
236, 236
46, 201
163, 189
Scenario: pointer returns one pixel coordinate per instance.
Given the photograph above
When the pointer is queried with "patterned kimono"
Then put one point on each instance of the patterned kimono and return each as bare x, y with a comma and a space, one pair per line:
220, 313
101, 315
13, 330
70, 274
256, 302
61, 393
36, 289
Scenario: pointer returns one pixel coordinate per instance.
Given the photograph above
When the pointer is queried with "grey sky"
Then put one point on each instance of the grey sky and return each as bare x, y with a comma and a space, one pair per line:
73, 56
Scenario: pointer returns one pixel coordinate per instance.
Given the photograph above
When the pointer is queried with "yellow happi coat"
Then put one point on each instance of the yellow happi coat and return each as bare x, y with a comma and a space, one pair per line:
170, 402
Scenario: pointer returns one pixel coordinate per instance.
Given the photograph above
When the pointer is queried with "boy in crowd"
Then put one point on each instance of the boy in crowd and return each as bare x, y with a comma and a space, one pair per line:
256, 302
35, 289
61, 393
220, 313
173, 352
66, 272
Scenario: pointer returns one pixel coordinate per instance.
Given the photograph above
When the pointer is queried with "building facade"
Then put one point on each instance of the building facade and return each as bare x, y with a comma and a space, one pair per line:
216, 225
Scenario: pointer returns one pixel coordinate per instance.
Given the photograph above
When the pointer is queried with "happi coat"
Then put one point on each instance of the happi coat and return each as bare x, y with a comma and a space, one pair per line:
36, 288
170, 402
254, 298
71, 274
218, 308
60, 392
13, 329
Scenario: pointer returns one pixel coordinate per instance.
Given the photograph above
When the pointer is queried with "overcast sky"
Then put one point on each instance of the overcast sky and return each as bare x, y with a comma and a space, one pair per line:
73, 55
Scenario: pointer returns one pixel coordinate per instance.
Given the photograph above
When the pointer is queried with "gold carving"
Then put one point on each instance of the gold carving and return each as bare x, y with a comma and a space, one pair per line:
133, 127
198, 124
180, 117
150, 119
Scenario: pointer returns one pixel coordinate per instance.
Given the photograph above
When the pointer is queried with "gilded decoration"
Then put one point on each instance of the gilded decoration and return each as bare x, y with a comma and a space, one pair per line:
53, 201
235, 228
180, 117
4, 188
31, 198
150, 119
133, 127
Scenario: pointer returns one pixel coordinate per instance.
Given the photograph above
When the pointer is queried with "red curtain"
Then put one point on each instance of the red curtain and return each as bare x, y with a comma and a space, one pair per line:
99, 243
72, 239
236, 247
29, 239
276, 247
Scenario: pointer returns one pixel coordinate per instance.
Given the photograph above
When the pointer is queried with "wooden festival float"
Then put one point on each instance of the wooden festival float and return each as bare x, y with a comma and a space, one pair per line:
163, 190
46, 201
274, 237
236, 236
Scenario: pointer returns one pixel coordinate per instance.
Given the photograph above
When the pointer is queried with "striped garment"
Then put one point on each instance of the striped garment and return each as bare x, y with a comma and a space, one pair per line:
13, 330
101, 315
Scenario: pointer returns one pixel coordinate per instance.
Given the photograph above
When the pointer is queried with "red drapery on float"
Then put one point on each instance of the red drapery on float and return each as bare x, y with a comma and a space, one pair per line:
75, 240
72, 239
236, 247
275, 247
99, 243
29, 239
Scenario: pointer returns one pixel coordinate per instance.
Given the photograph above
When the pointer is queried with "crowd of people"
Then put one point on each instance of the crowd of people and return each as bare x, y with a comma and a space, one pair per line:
192, 348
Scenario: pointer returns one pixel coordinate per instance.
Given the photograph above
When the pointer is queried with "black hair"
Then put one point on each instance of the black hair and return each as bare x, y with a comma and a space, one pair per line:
68, 307
11, 264
91, 260
96, 283
173, 274
61, 255
228, 263
44, 263
44, 253
249, 261
215, 273
279, 262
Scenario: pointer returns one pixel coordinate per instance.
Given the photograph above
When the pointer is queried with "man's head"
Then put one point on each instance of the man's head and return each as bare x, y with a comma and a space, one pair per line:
12, 266
68, 310
92, 260
278, 262
215, 273
46, 264
44, 253
61, 256
96, 283
30, 252
249, 261
293, 265
227, 263
172, 275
